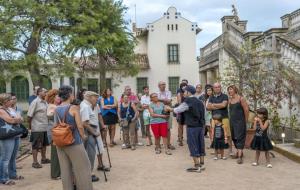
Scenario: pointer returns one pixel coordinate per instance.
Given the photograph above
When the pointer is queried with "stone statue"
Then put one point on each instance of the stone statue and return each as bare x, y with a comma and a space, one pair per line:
234, 11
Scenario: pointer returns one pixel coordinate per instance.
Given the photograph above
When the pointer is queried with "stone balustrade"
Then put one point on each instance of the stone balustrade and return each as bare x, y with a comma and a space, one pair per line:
290, 55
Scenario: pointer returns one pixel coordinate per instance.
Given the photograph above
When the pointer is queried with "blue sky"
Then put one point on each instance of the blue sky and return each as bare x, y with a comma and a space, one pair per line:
261, 14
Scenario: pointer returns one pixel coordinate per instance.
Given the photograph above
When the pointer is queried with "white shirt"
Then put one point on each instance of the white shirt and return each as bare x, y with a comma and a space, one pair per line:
164, 95
88, 114
145, 100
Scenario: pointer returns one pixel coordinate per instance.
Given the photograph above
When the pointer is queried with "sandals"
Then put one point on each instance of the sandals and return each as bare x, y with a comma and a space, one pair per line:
157, 151
171, 147
18, 177
9, 182
239, 160
103, 168
36, 165
46, 161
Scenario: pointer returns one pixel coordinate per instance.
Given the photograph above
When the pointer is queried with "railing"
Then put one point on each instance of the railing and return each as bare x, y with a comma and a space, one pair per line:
290, 134
295, 19
290, 54
211, 47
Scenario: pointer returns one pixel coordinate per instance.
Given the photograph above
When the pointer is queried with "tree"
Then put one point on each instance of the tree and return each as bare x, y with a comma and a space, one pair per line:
33, 32
259, 77
102, 39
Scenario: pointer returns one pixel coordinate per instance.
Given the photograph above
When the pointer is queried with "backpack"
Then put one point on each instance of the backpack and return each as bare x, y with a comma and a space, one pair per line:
62, 134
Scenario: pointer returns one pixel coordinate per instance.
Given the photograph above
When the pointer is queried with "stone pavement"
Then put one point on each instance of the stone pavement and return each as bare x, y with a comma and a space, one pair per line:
144, 170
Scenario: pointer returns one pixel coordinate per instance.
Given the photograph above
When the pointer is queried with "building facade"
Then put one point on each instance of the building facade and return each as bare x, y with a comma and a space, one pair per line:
282, 43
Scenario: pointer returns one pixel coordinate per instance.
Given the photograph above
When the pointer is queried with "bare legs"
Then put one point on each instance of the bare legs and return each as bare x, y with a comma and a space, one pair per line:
267, 155
180, 134
112, 133
148, 135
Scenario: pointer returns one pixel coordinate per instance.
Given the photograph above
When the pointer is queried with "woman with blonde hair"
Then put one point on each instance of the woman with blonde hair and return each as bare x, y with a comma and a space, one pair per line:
238, 114
53, 101
8, 146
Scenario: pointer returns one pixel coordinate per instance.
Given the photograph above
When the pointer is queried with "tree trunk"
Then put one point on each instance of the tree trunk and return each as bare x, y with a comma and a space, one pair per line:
102, 74
31, 56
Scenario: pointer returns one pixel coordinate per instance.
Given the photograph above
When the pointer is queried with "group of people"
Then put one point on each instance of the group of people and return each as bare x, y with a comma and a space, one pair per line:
208, 113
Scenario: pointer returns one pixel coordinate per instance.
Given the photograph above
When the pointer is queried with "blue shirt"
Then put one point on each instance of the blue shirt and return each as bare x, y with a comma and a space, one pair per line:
31, 98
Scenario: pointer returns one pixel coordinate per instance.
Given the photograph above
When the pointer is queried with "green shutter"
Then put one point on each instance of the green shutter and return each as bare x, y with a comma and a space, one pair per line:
173, 84
141, 82
20, 86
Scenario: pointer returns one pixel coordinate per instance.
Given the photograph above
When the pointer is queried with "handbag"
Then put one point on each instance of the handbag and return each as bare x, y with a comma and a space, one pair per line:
7, 130
25, 131
62, 133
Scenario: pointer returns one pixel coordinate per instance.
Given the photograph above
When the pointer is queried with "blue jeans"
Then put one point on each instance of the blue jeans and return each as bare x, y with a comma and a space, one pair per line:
8, 154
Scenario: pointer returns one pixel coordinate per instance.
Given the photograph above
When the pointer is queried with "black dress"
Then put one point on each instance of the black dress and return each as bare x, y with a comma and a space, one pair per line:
219, 141
261, 140
238, 125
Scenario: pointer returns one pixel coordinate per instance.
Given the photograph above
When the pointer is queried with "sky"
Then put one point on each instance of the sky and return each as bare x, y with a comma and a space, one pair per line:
261, 14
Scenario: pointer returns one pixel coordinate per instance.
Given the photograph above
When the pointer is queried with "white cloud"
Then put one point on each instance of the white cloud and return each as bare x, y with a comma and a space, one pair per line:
211, 27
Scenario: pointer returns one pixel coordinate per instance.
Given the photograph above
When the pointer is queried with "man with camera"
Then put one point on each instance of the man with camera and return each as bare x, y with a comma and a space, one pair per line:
91, 124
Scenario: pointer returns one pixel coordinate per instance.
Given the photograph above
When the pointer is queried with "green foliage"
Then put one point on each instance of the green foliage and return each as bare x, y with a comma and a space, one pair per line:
102, 39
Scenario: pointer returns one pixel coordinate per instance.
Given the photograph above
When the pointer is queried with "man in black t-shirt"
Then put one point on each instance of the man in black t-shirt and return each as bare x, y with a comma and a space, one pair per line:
218, 104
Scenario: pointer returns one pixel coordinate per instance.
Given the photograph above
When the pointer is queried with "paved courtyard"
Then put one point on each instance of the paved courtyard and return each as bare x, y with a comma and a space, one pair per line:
142, 169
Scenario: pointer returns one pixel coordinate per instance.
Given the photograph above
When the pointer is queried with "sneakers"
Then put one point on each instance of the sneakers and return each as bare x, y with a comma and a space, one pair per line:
269, 166
171, 147
124, 146
133, 148
215, 158
194, 169
224, 158
140, 144
254, 164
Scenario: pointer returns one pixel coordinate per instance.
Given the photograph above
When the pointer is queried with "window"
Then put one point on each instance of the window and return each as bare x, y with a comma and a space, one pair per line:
62, 81
173, 53
168, 27
176, 27
109, 83
141, 82
79, 84
2, 86
20, 86
173, 84
46, 83
172, 27
72, 82
92, 85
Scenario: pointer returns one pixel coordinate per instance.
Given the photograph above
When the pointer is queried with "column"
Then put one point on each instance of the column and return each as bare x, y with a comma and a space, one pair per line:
209, 76
203, 81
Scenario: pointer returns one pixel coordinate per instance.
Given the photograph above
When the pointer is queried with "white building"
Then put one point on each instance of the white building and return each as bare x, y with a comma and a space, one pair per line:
167, 47
167, 52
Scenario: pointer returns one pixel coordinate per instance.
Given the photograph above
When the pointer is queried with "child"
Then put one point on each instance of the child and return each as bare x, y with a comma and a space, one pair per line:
219, 137
261, 141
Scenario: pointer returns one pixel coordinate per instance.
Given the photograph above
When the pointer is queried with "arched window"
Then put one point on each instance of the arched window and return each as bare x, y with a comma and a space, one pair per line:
46, 83
2, 86
20, 86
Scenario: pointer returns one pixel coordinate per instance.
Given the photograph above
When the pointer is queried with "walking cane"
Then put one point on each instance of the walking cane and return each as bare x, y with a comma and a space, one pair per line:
108, 154
104, 172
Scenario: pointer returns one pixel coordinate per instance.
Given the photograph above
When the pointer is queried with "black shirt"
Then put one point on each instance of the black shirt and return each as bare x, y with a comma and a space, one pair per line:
194, 116
217, 100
